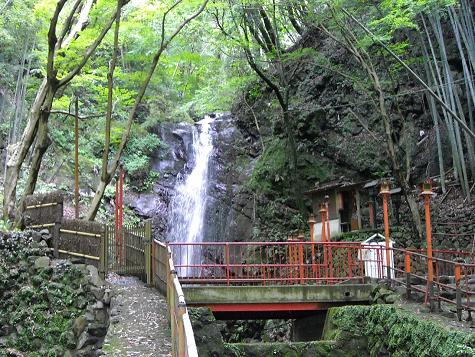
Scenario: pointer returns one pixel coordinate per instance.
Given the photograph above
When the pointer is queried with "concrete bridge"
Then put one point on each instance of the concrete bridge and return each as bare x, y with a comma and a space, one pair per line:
274, 279
295, 279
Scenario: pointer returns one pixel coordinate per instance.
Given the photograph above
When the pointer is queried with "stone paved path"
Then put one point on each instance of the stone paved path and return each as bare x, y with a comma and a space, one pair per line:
139, 325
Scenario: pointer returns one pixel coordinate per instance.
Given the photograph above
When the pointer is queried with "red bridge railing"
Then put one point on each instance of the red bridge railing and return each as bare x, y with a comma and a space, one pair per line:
305, 263
453, 282
275, 263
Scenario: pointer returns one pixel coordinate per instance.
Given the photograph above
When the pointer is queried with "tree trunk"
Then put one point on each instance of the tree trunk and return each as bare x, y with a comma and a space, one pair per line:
96, 201
42, 143
18, 156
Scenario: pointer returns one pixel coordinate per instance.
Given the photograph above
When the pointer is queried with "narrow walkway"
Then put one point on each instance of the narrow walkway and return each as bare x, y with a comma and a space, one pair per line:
139, 325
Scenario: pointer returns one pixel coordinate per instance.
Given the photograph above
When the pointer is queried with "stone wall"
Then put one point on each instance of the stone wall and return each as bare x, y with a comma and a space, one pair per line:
49, 306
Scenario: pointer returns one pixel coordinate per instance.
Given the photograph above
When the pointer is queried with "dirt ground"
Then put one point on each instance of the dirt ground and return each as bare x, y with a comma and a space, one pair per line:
139, 325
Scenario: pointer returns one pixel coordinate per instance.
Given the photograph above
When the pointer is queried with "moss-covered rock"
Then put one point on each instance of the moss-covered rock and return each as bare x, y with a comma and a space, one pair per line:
207, 333
41, 297
291, 349
388, 330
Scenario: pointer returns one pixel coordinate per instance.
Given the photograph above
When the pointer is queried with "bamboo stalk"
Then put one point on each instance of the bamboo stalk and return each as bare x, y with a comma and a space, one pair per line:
413, 74
42, 205
41, 225
86, 234
75, 254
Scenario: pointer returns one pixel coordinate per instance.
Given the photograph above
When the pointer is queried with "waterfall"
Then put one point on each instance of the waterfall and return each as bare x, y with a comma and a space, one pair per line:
187, 207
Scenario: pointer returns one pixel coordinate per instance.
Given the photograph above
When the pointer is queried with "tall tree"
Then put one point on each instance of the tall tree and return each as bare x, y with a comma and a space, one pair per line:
108, 169
255, 28
36, 129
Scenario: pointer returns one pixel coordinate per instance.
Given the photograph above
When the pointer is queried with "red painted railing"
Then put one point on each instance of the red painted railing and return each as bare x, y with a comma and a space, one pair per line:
274, 263
297, 262
454, 274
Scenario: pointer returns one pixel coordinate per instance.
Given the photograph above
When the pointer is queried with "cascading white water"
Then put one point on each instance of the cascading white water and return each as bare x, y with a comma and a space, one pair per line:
187, 207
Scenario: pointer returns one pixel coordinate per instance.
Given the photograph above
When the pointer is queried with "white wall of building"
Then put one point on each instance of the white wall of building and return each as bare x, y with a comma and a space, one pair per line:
335, 229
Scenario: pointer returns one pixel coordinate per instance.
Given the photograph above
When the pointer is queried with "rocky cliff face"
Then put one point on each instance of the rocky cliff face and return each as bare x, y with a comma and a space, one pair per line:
229, 209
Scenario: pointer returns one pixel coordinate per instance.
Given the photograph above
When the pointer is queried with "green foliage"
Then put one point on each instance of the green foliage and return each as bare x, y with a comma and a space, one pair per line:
399, 332
137, 160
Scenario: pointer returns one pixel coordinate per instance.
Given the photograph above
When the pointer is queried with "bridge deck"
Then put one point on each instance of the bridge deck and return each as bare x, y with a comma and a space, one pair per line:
275, 301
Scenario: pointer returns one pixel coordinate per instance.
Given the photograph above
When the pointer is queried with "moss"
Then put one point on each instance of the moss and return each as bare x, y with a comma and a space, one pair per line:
395, 331
291, 349
38, 304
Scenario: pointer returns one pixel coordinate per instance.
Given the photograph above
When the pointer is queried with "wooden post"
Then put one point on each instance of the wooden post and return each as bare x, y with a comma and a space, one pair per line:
168, 277
76, 159
121, 213
327, 218
172, 307
180, 311
154, 263
57, 228
103, 254
148, 251
371, 214
116, 236
358, 208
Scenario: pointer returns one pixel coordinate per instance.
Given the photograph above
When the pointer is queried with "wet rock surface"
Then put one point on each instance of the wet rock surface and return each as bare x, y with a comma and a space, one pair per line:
229, 207
139, 325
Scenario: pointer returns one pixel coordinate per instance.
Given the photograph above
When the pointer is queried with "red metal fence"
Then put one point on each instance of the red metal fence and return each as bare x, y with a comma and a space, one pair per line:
273, 263
297, 262
454, 277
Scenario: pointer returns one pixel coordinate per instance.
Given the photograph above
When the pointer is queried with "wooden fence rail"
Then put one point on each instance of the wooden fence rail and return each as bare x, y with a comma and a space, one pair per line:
164, 278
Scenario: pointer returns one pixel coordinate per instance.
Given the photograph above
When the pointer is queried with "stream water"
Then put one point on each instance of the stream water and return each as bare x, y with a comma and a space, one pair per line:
187, 207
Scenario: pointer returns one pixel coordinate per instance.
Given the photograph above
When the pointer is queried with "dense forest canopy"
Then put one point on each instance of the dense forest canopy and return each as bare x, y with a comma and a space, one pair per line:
131, 64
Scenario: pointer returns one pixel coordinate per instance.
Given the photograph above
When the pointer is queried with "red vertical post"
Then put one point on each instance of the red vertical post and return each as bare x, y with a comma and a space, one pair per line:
296, 256
227, 263
330, 260
385, 192
458, 293
427, 194
300, 242
311, 223
407, 268
323, 213
291, 256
